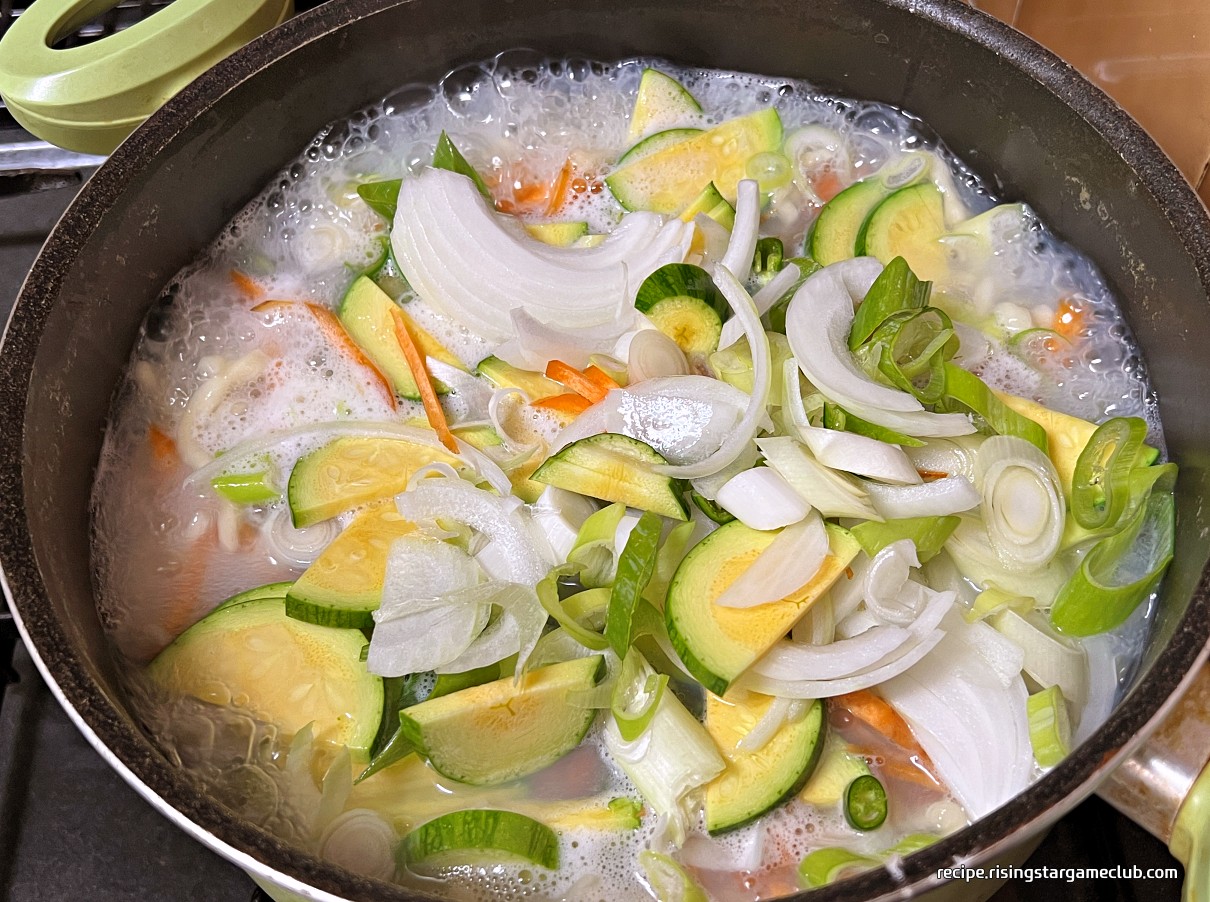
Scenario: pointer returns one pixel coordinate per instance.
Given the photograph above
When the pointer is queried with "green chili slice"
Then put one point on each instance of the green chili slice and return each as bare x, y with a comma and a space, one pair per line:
865, 803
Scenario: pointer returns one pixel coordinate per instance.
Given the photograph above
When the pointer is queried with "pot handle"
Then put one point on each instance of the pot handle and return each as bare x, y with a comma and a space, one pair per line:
1165, 785
89, 98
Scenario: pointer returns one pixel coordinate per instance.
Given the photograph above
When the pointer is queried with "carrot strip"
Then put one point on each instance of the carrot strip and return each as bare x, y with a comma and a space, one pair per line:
163, 448
247, 285
428, 397
601, 379
1069, 319
875, 711
594, 386
559, 192
566, 403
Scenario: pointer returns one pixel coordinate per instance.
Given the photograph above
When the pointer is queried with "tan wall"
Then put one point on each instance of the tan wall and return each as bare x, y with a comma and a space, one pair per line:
1152, 56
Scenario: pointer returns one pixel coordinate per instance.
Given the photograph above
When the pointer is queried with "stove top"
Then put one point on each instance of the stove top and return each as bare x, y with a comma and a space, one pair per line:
71, 829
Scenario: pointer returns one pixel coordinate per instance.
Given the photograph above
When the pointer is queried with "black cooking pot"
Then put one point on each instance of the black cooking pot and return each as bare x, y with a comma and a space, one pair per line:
1023, 119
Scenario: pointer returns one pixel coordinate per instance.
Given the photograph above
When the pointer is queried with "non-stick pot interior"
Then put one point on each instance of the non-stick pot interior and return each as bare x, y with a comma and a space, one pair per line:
1018, 116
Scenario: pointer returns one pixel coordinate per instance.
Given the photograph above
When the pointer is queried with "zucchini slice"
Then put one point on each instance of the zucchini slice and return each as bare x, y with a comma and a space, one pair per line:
712, 204
907, 224
658, 141
500, 731
352, 471
365, 312
281, 670
668, 180
662, 103
615, 467
479, 836
557, 234
758, 781
693, 324
343, 587
717, 644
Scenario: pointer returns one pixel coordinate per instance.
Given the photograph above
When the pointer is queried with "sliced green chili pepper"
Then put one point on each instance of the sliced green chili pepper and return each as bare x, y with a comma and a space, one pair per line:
635, 568
865, 804
712, 509
824, 866
1100, 484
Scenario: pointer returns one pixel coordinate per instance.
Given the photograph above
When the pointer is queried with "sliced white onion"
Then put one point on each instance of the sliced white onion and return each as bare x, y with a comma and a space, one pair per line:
537, 342
652, 354
746, 429
974, 729
761, 498
791, 661
889, 593
359, 840
832, 494
715, 239
780, 711
496, 517
771, 292
708, 486
515, 631
742, 246
1003, 656
559, 514
461, 257
860, 454
471, 392
818, 625
1049, 659
906, 656
789, 562
1023, 506
939, 498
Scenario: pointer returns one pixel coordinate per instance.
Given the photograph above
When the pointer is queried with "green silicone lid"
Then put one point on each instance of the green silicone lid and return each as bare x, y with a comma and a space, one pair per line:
89, 98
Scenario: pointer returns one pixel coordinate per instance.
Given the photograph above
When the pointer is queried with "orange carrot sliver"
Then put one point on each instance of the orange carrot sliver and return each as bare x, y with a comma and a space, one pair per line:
247, 285
420, 372
559, 192
163, 448
565, 403
875, 711
594, 386
1069, 318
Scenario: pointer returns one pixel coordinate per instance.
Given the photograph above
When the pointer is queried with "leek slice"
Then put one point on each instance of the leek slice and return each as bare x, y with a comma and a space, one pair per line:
548, 595
928, 534
896, 289
1100, 485
667, 880
636, 696
964, 391
635, 567
1107, 586
594, 550
1049, 727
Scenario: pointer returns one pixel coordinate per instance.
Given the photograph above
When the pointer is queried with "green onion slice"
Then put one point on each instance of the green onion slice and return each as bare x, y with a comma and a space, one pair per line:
669, 881
1118, 573
1100, 485
837, 418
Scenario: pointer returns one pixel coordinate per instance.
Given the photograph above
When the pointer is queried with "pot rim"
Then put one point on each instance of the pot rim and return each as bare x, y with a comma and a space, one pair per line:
134, 757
